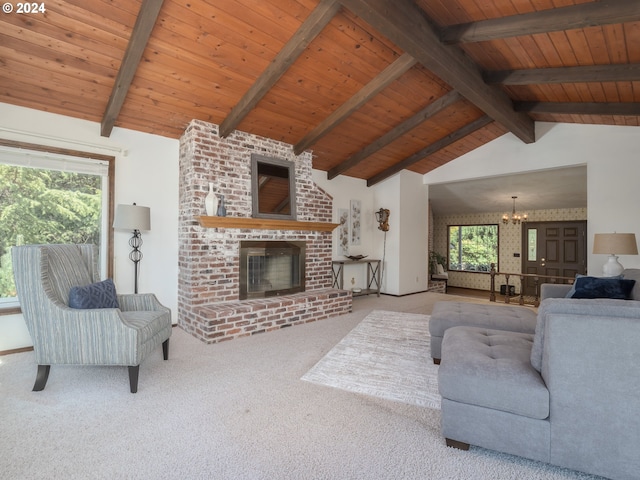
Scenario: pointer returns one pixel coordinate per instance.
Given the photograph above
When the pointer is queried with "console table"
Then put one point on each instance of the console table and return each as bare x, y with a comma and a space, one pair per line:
373, 275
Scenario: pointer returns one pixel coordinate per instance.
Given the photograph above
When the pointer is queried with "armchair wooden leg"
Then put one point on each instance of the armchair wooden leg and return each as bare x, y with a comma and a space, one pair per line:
41, 377
165, 349
133, 377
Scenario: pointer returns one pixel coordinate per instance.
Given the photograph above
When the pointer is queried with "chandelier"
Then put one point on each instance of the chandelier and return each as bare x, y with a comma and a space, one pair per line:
515, 218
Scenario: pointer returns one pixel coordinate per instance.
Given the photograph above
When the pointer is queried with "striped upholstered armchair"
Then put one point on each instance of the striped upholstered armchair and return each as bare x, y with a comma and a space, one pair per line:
99, 328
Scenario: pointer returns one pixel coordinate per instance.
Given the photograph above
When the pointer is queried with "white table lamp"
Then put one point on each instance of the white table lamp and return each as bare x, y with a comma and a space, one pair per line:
614, 244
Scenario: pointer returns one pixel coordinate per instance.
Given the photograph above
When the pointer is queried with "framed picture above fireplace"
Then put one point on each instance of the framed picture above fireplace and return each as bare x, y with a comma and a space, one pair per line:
273, 187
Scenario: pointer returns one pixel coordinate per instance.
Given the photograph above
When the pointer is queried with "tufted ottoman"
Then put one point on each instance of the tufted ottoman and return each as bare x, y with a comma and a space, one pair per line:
497, 317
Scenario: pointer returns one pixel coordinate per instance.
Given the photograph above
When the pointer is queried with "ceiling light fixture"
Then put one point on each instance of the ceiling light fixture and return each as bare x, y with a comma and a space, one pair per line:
515, 218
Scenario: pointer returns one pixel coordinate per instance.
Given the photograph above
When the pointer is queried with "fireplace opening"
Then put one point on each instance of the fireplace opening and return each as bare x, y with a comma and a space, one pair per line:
271, 268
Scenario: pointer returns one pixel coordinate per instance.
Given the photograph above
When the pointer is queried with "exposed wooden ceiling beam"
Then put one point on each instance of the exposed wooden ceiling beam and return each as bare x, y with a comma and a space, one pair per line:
586, 108
590, 73
431, 149
370, 90
605, 12
409, 124
310, 28
404, 23
142, 29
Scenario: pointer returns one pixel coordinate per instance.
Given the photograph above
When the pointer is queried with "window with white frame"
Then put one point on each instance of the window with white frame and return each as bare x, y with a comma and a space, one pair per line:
50, 198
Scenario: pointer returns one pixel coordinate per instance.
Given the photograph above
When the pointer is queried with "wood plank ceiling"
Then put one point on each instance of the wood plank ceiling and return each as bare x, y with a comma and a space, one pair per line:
371, 86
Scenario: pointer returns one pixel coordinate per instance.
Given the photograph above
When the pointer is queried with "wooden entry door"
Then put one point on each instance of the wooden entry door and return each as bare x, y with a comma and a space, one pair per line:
558, 249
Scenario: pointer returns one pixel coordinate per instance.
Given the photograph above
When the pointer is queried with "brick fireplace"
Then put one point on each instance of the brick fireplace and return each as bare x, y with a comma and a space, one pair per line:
209, 305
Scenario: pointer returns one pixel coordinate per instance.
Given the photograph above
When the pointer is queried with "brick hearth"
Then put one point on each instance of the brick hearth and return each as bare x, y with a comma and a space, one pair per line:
208, 292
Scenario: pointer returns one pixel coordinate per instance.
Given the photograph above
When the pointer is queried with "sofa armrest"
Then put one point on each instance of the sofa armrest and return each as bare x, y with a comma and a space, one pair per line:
554, 290
140, 301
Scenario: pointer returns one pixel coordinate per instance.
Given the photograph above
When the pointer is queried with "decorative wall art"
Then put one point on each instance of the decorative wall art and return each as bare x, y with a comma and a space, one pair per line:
356, 210
343, 220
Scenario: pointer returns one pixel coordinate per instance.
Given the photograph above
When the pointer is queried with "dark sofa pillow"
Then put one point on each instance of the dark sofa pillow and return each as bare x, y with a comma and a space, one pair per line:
593, 287
95, 295
573, 286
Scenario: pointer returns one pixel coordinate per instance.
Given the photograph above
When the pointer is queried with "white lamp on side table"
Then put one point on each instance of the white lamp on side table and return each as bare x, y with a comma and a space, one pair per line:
614, 244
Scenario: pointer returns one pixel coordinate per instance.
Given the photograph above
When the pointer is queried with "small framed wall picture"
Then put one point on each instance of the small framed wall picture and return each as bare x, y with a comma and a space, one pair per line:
343, 220
355, 218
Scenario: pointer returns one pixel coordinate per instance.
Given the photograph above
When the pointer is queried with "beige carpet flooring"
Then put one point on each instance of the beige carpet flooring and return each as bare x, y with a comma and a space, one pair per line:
233, 411
387, 355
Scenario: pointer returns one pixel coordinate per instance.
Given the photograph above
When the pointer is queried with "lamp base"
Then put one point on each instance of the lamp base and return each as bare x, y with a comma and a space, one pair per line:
612, 268
135, 256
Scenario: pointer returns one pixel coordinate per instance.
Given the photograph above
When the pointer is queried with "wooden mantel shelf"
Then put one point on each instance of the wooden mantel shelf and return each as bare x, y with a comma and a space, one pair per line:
264, 224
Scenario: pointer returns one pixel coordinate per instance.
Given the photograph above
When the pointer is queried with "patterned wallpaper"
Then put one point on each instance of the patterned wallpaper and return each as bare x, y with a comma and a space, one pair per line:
510, 240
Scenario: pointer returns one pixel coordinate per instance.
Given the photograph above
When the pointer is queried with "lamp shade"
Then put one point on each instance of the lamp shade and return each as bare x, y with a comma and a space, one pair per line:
132, 217
615, 243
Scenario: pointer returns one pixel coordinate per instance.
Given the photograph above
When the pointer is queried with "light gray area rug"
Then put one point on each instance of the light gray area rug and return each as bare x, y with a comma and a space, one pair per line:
386, 355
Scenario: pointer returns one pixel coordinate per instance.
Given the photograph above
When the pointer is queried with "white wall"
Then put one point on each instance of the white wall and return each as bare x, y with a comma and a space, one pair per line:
613, 172
414, 220
146, 173
387, 195
148, 176
405, 195
405, 252
343, 190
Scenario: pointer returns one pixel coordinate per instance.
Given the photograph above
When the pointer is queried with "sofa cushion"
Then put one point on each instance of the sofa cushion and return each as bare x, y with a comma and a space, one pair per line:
592, 287
491, 369
605, 307
95, 295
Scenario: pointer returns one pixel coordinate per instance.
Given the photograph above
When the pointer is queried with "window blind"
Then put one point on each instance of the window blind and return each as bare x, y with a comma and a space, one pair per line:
53, 161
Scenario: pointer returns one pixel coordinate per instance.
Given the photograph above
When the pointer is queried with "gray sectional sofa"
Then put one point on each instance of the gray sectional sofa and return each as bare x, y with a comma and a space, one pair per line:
568, 394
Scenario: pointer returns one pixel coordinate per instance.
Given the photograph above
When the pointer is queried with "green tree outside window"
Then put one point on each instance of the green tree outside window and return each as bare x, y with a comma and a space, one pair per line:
473, 247
45, 206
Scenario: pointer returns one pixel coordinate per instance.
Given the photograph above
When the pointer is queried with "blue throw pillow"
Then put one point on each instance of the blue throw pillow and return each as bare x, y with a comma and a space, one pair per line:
95, 295
592, 287
573, 286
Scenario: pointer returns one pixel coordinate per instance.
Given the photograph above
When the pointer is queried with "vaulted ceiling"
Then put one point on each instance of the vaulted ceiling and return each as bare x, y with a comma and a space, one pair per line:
371, 86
